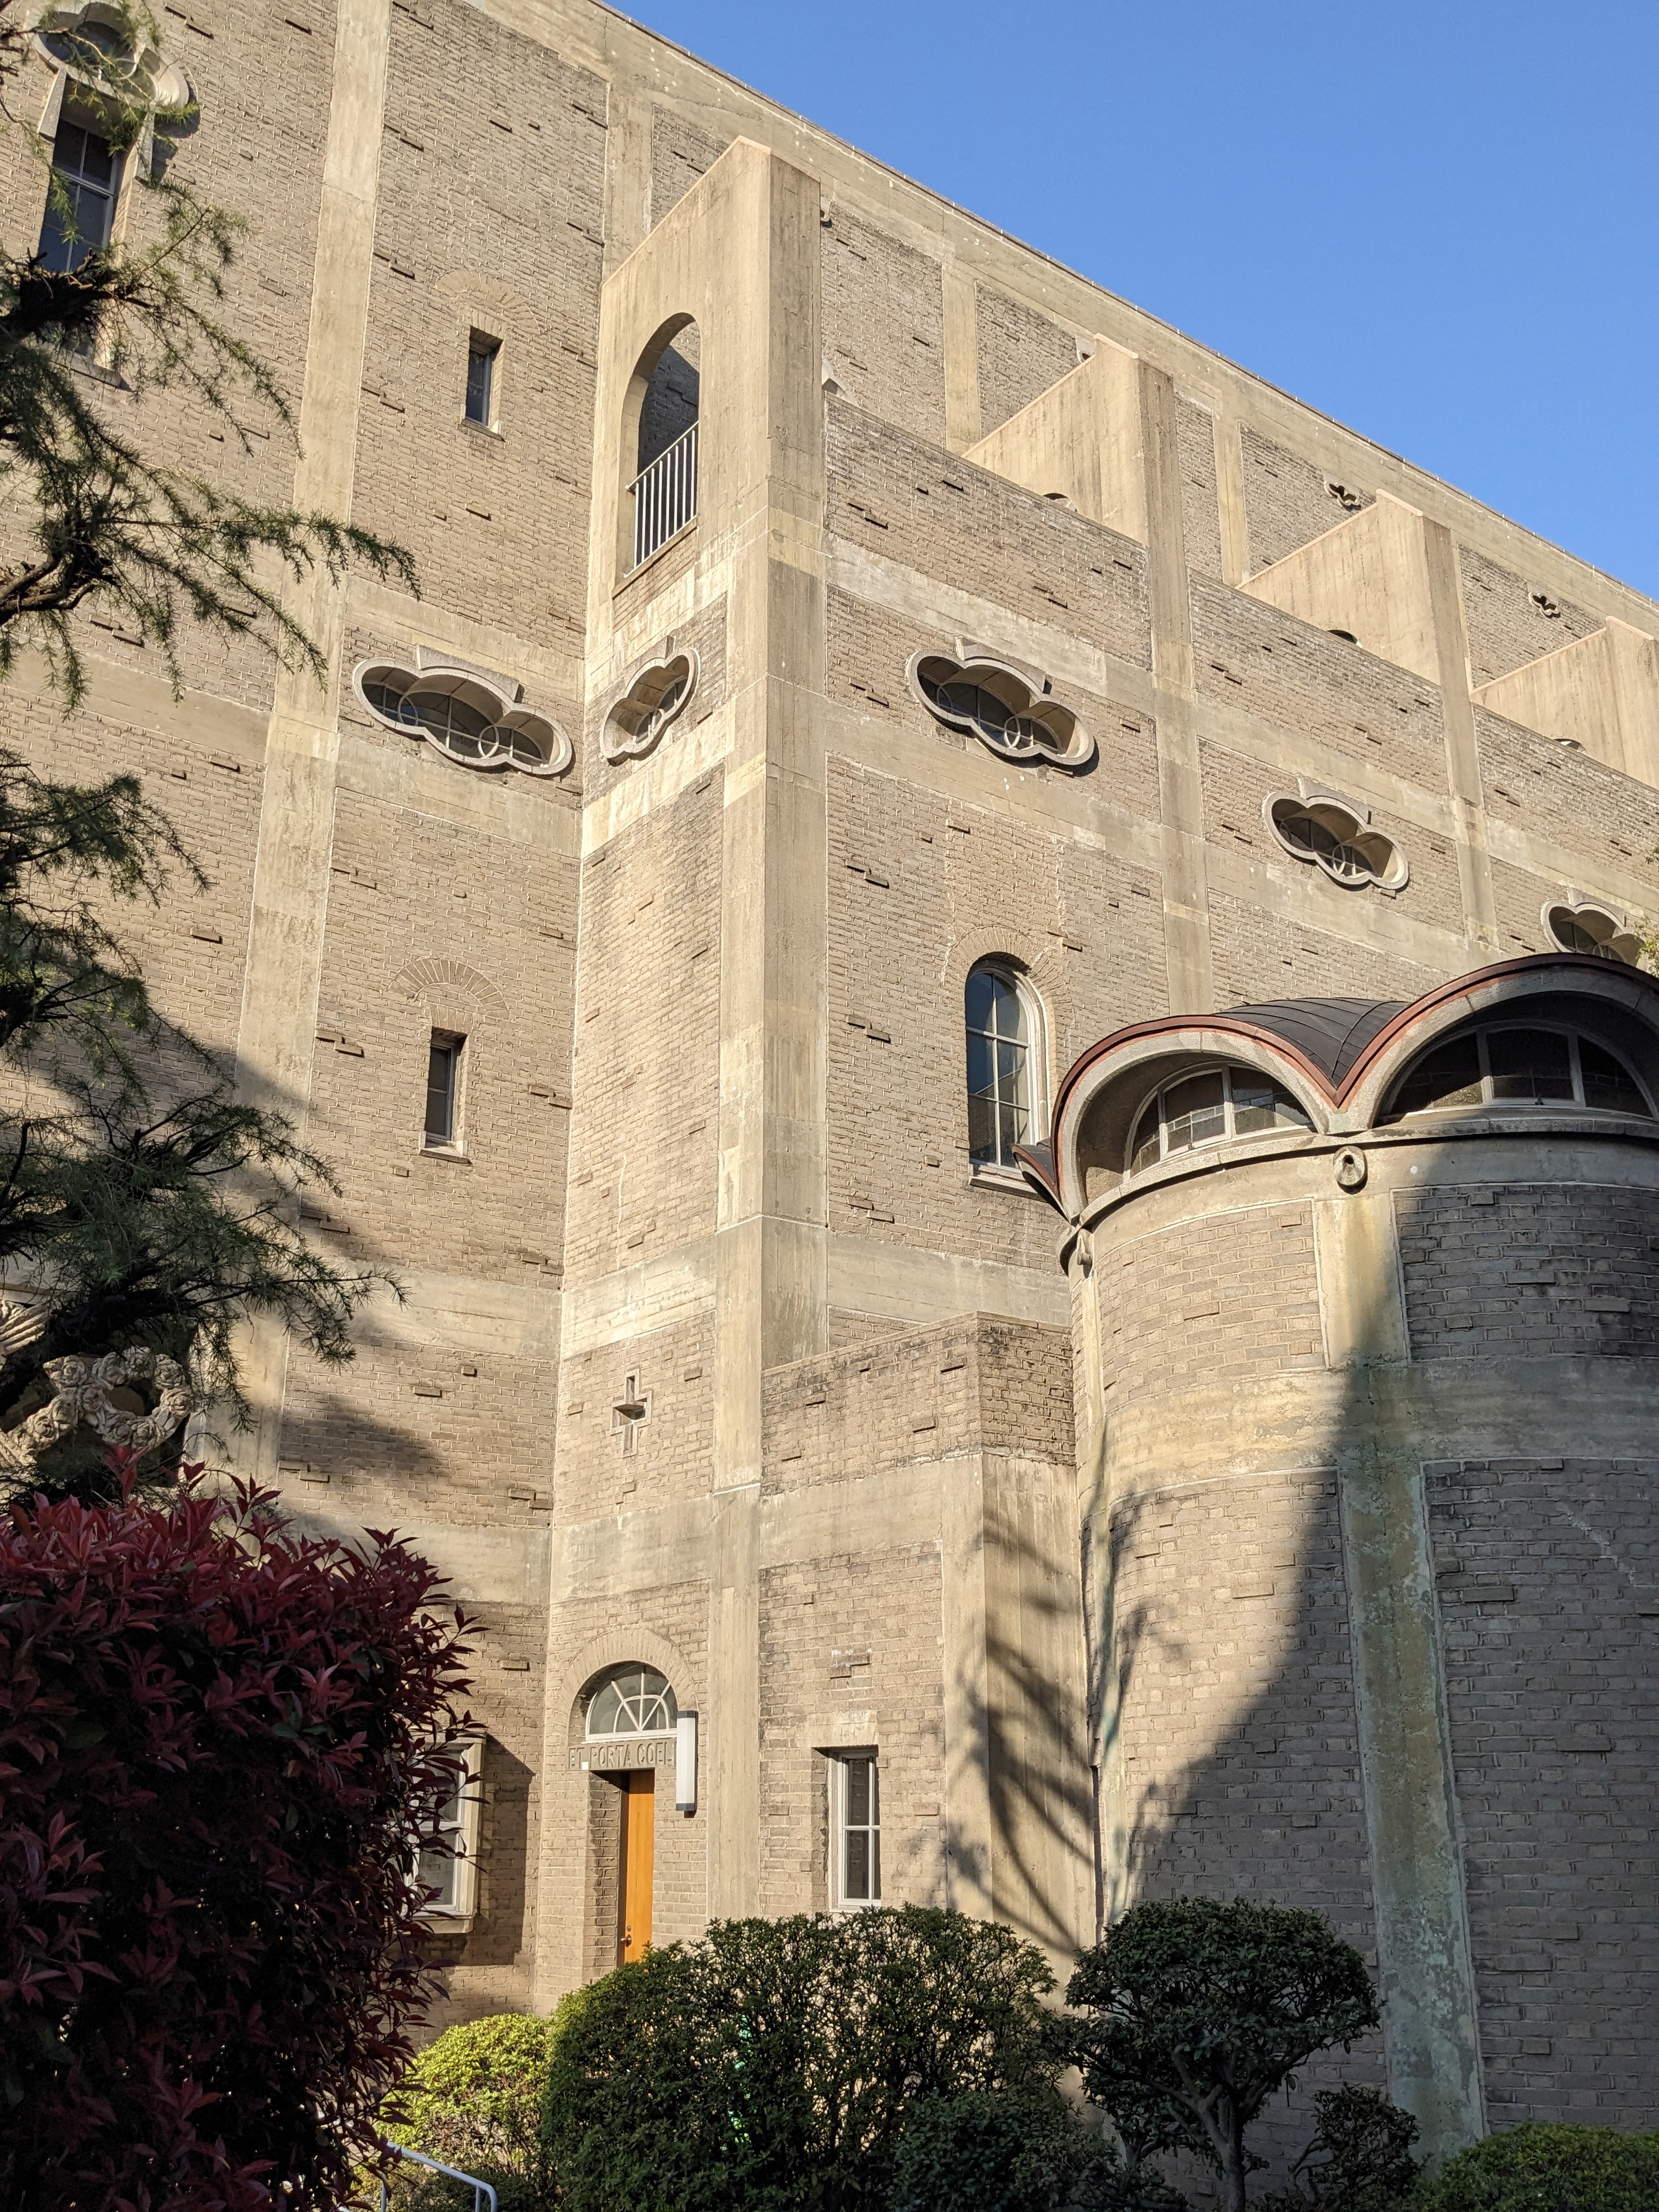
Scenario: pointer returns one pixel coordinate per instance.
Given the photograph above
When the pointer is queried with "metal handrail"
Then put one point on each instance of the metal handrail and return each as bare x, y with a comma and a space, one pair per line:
665, 495
481, 2189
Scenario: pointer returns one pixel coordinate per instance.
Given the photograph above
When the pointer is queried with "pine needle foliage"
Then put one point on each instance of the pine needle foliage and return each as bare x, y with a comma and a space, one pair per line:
103, 522
142, 1200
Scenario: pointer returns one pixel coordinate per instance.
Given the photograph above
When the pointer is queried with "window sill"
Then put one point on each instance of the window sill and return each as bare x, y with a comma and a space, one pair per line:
1007, 1179
484, 429
652, 559
454, 1154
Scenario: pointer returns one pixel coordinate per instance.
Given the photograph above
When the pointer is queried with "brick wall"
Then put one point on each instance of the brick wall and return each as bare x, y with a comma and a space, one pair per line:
891, 495
884, 326
919, 890
1021, 353
1563, 794
1235, 787
1232, 1295
681, 152
1358, 708
1531, 1270
1287, 500
1506, 626
1261, 953
1201, 520
852, 1631
489, 217
1548, 1594
1239, 1746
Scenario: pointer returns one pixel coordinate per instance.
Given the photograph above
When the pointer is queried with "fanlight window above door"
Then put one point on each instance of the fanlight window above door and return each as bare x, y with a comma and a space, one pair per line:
634, 1701
466, 718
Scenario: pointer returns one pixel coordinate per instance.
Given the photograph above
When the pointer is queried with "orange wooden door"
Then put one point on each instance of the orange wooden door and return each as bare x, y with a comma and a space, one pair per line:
639, 1839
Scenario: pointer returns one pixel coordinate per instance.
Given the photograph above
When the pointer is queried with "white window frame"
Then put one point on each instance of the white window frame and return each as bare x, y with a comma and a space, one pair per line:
840, 1762
459, 1818
1005, 1176
1224, 1068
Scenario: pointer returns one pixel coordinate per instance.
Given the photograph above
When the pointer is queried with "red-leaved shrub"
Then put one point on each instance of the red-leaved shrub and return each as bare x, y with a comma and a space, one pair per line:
219, 1743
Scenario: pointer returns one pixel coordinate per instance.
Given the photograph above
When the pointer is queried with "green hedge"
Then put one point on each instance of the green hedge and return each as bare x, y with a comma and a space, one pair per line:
1550, 2169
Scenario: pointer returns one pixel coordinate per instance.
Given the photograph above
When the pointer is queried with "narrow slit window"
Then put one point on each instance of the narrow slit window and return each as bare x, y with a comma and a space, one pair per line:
80, 201
443, 1079
855, 1785
481, 354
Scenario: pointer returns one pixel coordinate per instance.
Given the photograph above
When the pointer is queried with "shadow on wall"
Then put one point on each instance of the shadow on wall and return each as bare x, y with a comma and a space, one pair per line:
1020, 1726
1280, 1627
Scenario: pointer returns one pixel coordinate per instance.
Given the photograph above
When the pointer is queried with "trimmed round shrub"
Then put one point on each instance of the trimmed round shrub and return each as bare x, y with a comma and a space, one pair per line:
1550, 2169
775, 2064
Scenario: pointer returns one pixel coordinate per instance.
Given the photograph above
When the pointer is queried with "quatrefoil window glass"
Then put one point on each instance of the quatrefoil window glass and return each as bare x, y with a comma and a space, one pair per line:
656, 696
1336, 836
1009, 715
1581, 926
467, 718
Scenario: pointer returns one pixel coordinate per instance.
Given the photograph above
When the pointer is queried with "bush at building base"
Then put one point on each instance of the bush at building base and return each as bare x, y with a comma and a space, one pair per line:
219, 1745
1017, 2150
775, 2063
472, 2099
1550, 2169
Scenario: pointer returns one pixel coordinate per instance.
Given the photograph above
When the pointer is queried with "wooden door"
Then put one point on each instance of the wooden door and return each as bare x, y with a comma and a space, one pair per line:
638, 1825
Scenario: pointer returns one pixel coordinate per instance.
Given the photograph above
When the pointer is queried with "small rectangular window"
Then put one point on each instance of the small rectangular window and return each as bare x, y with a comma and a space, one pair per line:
81, 200
481, 353
855, 1830
448, 1858
443, 1084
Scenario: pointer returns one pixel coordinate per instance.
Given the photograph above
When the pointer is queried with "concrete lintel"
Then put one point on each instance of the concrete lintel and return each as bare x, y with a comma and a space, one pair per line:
902, 1282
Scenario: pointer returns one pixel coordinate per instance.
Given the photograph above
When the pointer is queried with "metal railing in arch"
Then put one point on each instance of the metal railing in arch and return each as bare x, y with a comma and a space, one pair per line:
665, 495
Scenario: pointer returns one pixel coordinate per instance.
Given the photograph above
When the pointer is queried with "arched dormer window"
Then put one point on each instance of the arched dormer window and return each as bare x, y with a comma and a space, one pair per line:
1207, 1108
1510, 1066
1005, 1065
631, 1701
660, 442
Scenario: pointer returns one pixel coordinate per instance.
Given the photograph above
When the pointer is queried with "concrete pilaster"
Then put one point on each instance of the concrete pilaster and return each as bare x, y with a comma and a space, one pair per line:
1186, 895
296, 823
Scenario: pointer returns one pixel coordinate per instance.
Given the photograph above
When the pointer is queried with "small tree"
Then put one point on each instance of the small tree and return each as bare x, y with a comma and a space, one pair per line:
1359, 2159
104, 522
775, 2063
221, 1745
1196, 2012
142, 1201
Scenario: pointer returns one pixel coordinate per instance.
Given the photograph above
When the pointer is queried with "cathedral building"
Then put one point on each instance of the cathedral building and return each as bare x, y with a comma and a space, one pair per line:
982, 979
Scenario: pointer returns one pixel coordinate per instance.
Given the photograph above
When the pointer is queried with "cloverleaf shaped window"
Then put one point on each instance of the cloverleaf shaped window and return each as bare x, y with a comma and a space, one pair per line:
1010, 714
1581, 926
466, 718
1336, 836
656, 696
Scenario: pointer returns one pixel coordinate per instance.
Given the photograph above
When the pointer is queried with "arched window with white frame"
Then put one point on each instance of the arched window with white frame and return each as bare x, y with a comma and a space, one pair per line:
1004, 1023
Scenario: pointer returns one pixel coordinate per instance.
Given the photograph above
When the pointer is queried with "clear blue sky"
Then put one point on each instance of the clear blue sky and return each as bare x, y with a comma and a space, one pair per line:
1436, 219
